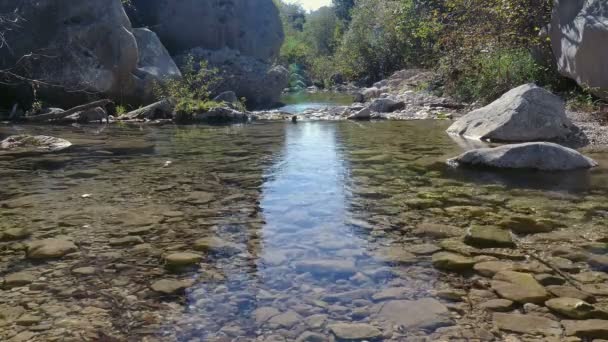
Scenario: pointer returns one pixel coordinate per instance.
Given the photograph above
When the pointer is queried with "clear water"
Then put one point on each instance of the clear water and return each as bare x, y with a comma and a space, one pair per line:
318, 213
300, 102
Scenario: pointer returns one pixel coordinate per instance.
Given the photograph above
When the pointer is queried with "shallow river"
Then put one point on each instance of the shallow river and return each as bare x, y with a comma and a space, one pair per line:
302, 225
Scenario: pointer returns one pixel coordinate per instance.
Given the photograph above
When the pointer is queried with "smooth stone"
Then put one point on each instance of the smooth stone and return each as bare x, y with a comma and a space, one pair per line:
591, 328
182, 260
170, 286
286, 320
263, 314
199, 197
13, 234
217, 245
126, 241
425, 314
527, 324
497, 305
437, 230
391, 293
424, 249
27, 320
397, 255
309, 336
452, 262
355, 331
490, 268
598, 262
524, 113
84, 270
570, 292
527, 225
519, 287
570, 307
532, 156
488, 237
19, 279
50, 249
337, 268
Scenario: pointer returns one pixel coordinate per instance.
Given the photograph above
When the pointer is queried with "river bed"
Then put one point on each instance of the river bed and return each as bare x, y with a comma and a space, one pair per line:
311, 231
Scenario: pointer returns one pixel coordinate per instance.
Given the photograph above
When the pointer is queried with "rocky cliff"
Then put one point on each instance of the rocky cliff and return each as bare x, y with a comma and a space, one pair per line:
240, 37
77, 50
579, 35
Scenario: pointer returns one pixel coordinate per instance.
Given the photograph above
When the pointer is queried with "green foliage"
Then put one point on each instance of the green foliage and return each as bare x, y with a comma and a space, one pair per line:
191, 93
120, 110
489, 75
580, 99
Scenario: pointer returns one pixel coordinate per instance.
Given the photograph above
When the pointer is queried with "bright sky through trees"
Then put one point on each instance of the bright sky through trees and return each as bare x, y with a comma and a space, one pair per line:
311, 5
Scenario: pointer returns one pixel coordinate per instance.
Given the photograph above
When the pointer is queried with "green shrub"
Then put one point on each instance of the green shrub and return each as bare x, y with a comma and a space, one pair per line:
491, 74
191, 93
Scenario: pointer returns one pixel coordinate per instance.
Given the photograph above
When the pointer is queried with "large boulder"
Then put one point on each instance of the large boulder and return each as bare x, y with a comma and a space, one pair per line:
579, 31
242, 38
257, 81
252, 27
526, 113
539, 156
155, 63
77, 50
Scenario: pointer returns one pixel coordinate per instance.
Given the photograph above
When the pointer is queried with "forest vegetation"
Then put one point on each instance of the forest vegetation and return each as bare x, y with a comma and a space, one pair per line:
479, 48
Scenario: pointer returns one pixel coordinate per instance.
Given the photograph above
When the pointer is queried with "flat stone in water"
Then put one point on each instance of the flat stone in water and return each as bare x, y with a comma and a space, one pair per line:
171, 286
217, 245
498, 305
426, 314
570, 307
355, 331
527, 324
184, 259
452, 262
570, 292
50, 248
19, 279
592, 328
490, 268
84, 270
519, 287
437, 230
286, 319
489, 237
12, 234
397, 254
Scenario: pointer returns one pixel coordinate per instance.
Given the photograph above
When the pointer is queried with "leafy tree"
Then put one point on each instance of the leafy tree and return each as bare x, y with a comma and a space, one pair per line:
343, 9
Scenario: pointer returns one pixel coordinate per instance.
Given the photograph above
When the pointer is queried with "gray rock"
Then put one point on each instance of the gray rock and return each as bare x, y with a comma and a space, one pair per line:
539, 156
12, 234
158, 110
578, 32
183, 259
452, 262
519, 287
286, 319
263, 314
497, 305
19, 279
488, 237
171, 286
243, 75
92, 43
227, 97
50, 248
33, 144
526, 113
221, 115
591, 328
309, 336
425, 314
527, 324
363, 114
355, 331
218, 246
570, 292
570, 307
253, 28
490, 268
386, 105
437, 230
154, 64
